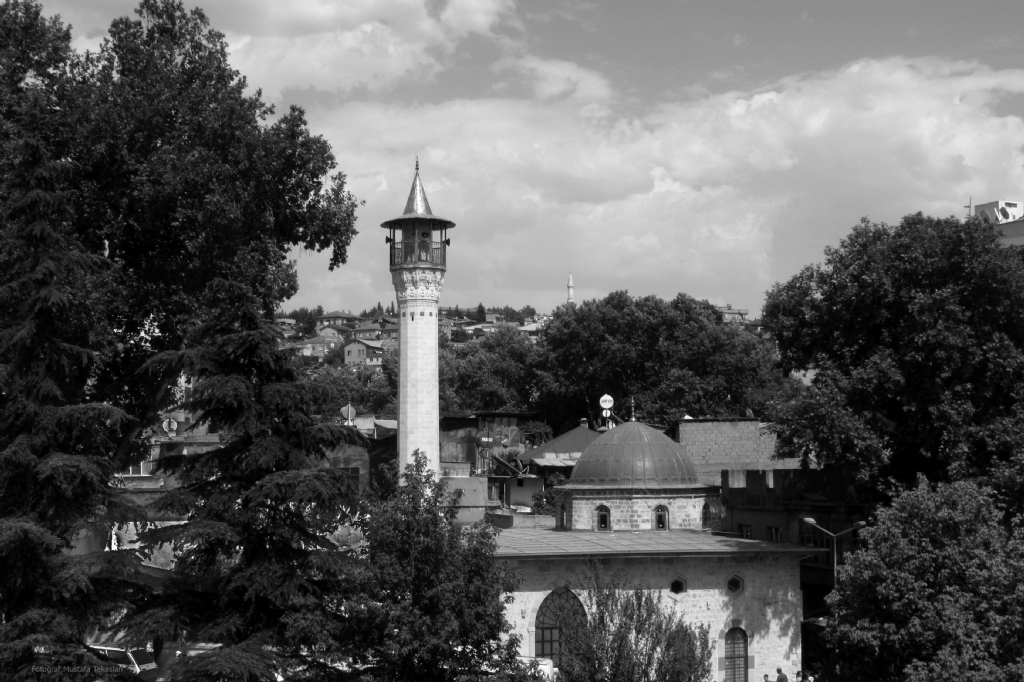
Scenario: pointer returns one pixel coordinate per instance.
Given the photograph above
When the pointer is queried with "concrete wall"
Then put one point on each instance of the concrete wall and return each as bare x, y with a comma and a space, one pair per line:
633, 512
521, 490
769, 608
713, 445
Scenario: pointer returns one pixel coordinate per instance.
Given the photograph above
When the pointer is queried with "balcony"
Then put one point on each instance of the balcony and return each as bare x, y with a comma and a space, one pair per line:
418, 254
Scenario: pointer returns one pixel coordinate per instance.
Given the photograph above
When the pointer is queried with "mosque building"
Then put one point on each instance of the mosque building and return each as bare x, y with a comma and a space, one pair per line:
634, 503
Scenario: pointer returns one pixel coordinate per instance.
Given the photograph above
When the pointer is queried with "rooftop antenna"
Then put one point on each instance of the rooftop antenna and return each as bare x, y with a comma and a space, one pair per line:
969, 206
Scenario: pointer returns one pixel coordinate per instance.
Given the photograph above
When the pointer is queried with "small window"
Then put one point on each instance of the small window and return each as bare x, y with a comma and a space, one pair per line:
604, 519
735, 585
561, 518
743, 530
774, 534
738, 478
769, 479
661, 518
519, 483
678, 586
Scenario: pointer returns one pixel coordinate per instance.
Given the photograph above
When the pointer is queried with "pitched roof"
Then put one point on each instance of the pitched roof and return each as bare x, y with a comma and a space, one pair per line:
533, 543
376, 345
574, 441
338, 313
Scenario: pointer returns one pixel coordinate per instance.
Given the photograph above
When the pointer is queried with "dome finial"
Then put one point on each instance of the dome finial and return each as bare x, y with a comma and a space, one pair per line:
632, 410
417, 163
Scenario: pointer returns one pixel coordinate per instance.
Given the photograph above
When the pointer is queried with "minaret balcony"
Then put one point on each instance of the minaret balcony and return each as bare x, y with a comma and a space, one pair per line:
418, 254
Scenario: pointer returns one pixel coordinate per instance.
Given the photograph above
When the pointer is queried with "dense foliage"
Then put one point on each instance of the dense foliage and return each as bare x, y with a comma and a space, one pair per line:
257, 561
916, 336
671, 357
430, 602
497, 372
139, 184
628, 635
55, 433
935, 589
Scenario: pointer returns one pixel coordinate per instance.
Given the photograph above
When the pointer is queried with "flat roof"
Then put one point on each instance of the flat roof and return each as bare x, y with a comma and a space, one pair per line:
535, 543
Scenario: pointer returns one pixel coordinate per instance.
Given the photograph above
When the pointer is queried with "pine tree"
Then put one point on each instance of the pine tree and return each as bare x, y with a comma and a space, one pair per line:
259, 563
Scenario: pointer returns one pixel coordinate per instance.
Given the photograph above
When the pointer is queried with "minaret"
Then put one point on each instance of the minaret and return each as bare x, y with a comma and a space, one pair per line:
418, 242
569, 287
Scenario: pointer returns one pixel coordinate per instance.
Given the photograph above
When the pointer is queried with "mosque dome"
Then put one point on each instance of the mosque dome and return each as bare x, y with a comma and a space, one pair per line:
633, 456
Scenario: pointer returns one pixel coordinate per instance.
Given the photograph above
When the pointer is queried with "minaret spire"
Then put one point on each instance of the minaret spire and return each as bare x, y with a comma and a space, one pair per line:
418, 258
569, 286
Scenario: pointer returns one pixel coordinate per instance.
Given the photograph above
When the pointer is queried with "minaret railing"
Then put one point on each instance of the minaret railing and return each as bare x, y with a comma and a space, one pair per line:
417, 253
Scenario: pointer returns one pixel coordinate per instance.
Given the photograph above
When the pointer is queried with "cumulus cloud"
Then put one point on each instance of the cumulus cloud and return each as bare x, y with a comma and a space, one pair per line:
371, 44
718, 196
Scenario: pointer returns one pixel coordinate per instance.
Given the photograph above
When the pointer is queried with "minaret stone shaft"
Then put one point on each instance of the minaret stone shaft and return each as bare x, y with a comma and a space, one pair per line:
418, 244
570, 288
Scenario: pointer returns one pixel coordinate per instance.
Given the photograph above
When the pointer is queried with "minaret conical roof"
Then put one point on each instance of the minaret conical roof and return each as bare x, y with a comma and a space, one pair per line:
417, 206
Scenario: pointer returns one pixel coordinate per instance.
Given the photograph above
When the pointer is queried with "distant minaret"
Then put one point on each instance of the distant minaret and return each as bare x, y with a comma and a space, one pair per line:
569, 287
418, 242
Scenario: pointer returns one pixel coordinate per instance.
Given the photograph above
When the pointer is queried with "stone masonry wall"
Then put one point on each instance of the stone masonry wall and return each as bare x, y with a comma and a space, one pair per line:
769, 607
637, 513
716, 445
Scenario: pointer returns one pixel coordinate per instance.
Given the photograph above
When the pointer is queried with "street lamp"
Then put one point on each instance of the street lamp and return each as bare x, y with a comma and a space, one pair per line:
835, 563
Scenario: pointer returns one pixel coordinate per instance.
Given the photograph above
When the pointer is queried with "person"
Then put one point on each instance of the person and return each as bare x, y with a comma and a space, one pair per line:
766, 677
781, 676
799, 676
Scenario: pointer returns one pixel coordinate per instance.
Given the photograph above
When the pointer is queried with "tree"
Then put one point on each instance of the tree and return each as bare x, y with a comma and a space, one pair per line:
915, 333
481, 313
55, 435
134, 181
370, 390
626, 635
934, 589
182, 181
257, 560
305, 319
430, 604
496, 372
527, 311
671, 357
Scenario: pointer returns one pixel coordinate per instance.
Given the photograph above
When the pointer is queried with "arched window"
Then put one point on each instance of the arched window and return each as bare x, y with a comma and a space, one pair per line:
561, 606
604, 518
705, 516
661, 517
736, 655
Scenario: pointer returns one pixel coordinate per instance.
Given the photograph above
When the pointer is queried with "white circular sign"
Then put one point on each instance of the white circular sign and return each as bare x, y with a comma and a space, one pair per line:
606, 401
606, 413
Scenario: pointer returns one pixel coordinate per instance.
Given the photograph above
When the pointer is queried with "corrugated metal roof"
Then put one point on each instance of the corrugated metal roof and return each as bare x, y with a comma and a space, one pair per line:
525, 542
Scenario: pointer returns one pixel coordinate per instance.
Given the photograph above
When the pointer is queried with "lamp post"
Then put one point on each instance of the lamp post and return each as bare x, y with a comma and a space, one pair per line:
835, 562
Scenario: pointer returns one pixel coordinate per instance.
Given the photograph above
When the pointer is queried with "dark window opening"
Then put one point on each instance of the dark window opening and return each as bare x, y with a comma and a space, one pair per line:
678, 586
604, 519
661, 518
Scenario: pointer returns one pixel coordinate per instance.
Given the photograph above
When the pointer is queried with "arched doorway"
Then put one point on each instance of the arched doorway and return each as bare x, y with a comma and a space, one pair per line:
736, 655
561, 603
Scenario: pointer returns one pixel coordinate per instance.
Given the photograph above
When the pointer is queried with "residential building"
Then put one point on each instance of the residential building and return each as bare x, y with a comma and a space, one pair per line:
338, 317
363, 352
1007, 216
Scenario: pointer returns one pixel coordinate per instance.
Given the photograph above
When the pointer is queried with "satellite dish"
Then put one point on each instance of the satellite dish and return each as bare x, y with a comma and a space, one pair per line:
348, 412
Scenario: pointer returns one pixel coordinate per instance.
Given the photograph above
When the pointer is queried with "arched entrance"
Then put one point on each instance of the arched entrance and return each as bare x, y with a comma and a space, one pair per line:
561, 603
735, 655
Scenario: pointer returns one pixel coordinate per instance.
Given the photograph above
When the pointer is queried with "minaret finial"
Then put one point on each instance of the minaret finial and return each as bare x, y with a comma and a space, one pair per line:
417, 163
632, 410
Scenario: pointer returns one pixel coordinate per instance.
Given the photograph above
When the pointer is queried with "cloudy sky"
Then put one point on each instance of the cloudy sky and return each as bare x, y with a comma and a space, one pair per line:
711, 147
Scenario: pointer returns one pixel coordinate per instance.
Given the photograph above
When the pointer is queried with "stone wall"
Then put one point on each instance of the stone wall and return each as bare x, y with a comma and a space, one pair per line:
635, 512
769, 607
